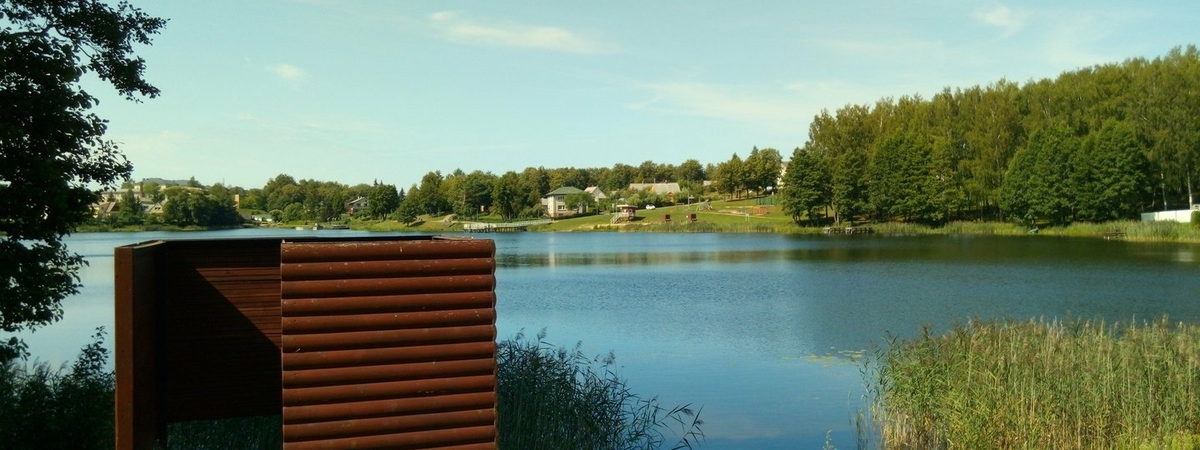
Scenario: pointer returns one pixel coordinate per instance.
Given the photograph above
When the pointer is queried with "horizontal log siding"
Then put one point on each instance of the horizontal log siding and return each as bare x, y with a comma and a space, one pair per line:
388, 344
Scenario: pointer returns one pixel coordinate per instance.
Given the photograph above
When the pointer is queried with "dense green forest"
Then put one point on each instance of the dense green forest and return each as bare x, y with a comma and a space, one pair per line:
1095, 144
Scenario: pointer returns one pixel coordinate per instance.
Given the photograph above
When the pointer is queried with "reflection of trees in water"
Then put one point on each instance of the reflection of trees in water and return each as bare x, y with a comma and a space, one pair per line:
970, 249
635, 258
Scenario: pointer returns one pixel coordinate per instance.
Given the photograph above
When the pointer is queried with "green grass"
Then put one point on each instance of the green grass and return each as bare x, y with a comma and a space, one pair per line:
722, 217
1040, 384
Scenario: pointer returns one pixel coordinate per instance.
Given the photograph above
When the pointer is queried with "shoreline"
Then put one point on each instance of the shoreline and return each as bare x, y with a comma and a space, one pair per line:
1130, 231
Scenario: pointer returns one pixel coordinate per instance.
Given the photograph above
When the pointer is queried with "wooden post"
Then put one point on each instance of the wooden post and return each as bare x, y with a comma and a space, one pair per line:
138, 424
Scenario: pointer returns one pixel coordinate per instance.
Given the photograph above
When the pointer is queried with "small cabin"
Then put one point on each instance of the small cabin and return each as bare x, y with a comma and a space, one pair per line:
359, 342
626, 212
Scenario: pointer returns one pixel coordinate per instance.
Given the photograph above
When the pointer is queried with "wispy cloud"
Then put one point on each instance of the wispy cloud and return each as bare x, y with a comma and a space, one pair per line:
288, 72
1004, 18
453, 27
747, 105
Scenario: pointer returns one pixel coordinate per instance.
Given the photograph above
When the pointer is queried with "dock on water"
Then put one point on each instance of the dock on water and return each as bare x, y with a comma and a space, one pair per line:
481, 227
849, 230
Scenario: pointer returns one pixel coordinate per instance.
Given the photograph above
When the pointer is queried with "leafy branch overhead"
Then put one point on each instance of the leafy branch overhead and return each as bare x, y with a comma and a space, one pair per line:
52, 148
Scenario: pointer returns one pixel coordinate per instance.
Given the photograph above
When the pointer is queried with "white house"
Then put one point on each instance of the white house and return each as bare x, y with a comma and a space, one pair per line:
556, 202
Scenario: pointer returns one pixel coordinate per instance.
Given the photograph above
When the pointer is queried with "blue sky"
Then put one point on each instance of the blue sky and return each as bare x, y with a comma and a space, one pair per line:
361, 90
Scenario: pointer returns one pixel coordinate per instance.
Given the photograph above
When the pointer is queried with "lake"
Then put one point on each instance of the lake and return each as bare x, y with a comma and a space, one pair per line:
759, 330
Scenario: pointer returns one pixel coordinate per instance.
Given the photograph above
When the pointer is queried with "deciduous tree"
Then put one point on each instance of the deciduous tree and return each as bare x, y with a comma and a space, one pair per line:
806, 186
52, 149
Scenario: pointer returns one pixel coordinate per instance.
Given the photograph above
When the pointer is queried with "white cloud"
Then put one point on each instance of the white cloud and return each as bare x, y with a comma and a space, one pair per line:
1004, 18
454, 28
774, 109
288, 71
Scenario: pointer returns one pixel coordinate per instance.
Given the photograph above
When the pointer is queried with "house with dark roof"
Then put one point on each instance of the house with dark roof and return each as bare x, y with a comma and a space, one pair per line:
556, 202
356, 205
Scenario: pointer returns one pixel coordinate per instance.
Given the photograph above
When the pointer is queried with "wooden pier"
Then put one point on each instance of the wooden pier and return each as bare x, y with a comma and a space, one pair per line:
480, 227
849, 230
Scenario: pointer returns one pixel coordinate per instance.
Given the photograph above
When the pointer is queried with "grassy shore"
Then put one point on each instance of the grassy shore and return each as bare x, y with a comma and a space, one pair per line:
1041, 384
747, 216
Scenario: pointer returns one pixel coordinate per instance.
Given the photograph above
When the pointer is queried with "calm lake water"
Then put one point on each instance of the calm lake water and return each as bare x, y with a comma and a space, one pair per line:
756, 329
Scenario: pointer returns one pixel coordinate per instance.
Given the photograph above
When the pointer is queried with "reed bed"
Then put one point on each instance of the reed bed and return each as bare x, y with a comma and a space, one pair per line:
1137, 231
1040, 384
553, 398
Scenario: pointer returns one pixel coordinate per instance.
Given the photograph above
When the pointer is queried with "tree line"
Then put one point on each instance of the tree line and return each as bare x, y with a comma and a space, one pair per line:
1099, 143
512, 194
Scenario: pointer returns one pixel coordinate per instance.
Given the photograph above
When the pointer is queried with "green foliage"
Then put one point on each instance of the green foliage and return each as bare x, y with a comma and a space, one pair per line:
1196, 219
153, 192
553, 398
806, 186
57, 409
730, 176
901, 182
1113, 136
1109, 175
1038, 384
52, 148
761, 169
408, 210
427, 198
201, 208
506, 196
690, 171
382, 200
580, 201
129, 209
1037, 187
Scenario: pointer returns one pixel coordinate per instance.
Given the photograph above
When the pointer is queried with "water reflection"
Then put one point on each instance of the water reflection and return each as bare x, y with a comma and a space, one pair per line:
762, 330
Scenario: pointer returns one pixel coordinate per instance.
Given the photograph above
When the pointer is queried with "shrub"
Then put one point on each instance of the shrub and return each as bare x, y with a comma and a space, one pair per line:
58, 409
554, 398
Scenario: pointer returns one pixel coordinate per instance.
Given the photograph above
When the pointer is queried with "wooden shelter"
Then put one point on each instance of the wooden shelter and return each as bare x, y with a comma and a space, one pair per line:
625, 212
379, 342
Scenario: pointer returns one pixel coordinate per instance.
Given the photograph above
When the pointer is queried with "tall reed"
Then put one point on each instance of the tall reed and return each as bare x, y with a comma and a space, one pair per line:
554, 398
1040, 384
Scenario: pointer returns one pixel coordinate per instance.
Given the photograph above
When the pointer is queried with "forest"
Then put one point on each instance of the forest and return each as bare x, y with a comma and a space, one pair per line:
1095, 144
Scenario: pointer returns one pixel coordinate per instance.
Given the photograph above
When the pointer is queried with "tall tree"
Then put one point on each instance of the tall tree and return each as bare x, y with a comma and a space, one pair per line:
805, 186
153, 191
129, 209
51, 147
1037, 186
730, 176
382, 200
506, 195
762, 169
689, 171
1109, 177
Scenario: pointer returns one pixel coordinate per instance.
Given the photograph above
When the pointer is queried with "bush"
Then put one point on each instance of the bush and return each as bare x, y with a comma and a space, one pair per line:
56, 409
554, 398
1196, 219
